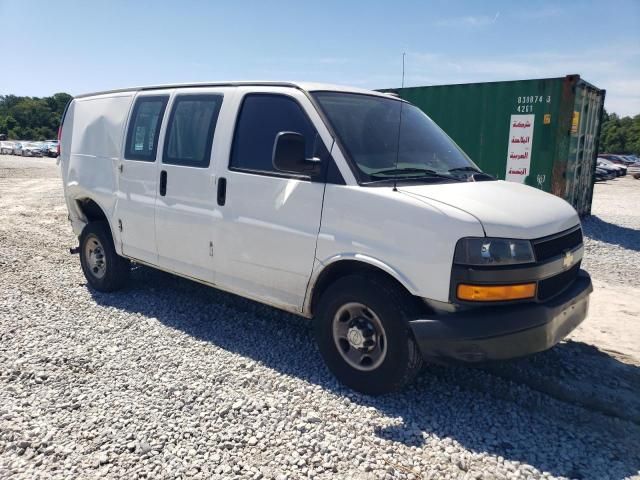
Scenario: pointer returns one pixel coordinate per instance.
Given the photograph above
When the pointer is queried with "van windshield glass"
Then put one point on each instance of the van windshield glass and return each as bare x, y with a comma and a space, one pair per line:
367, 127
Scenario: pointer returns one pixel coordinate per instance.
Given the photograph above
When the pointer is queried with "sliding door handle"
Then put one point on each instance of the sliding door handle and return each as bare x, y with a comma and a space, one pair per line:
163, 183
222, 191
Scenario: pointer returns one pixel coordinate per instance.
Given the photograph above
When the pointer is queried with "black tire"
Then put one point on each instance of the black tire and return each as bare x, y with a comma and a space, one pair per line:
113, 272
394, 308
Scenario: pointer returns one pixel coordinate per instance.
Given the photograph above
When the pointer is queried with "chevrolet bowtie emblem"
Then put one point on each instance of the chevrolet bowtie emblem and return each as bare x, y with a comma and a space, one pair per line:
567, 261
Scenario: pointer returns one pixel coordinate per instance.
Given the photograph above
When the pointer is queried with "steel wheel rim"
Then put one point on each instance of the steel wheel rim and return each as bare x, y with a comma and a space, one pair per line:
359, 336
94, 254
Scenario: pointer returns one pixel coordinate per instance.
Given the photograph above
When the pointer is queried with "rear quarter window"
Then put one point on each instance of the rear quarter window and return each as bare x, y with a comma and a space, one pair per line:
144, 128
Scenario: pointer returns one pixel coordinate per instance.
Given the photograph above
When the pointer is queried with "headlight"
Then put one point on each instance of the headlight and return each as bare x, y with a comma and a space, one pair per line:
493, 251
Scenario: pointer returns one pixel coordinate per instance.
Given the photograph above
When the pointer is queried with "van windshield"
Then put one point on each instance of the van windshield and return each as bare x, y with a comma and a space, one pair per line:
368, 129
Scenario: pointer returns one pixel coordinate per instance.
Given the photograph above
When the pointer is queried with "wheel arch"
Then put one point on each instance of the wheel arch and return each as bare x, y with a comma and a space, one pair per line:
88, 210
343, 265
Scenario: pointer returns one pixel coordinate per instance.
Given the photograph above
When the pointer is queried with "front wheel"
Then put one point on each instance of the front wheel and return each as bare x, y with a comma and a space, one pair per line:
103, 268
362, 330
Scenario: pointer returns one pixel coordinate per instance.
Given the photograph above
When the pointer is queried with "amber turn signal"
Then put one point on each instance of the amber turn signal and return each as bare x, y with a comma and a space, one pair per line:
496, 293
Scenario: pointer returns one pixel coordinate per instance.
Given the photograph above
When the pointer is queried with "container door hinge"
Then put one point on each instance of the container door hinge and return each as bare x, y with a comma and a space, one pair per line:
119, 224
211, 249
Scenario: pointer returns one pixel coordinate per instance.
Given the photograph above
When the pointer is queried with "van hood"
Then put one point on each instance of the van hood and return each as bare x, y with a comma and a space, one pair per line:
505, 209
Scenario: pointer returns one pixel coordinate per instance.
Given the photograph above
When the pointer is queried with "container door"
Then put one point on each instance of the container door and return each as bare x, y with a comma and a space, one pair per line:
585, 127
186, 193
137, 178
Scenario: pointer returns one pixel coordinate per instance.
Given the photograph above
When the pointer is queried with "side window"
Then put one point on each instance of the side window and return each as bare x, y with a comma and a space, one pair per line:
144, 128
261, 118
192, 124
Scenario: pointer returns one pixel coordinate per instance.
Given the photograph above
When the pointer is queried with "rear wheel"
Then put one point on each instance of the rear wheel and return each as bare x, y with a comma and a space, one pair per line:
103, 268
362, 330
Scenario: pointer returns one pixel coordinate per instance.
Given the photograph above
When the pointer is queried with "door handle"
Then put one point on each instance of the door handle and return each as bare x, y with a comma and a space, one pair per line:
163, 183
222, 191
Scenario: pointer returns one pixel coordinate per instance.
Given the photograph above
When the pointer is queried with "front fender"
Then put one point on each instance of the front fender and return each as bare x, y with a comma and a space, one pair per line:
321, 265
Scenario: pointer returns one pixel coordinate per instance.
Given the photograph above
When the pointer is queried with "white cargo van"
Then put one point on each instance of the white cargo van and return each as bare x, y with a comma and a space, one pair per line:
347, 206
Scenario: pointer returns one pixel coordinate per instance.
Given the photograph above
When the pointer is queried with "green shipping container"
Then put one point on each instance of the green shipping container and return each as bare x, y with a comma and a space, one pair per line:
540, 132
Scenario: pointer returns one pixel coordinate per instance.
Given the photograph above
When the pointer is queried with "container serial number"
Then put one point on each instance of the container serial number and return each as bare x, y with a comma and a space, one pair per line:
526, 102
531, 99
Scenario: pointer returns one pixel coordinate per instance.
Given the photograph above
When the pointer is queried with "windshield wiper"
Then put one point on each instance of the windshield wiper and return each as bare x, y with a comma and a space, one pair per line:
422, 173
465, 169
475, 175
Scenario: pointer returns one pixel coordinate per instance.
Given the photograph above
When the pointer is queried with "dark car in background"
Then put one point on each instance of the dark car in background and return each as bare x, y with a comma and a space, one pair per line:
601, 175
51, 148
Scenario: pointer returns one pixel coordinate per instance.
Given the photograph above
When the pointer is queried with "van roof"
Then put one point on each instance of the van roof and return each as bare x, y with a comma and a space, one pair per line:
307, 86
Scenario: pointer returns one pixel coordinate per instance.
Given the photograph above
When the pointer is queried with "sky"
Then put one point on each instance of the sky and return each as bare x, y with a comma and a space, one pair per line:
84, 46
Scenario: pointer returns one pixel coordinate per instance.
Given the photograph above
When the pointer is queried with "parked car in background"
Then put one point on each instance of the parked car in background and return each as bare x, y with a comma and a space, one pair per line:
619, 170
17, 148
612, 170
6, 148
44, 147
634, 159
52, 149
26, 148
619, 159
601, 175
32, 149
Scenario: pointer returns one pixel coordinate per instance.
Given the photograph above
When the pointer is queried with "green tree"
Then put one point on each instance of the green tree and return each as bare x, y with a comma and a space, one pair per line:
31, 118
620, 135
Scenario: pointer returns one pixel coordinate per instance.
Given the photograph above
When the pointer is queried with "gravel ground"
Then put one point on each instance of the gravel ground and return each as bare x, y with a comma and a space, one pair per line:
613, 232
172, 379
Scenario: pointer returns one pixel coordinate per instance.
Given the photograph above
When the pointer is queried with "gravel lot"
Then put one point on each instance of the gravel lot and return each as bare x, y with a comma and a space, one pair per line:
172, 379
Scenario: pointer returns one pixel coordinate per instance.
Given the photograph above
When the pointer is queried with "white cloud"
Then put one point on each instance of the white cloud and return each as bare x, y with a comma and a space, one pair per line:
332, 60
545, 12
468, 21
486, 20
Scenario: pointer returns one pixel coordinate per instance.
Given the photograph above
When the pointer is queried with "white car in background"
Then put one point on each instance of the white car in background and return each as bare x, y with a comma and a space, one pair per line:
17, 148
620, 170
6, 148
32, 149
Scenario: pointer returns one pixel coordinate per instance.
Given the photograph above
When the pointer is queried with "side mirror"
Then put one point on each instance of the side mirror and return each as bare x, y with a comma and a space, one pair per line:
289, 155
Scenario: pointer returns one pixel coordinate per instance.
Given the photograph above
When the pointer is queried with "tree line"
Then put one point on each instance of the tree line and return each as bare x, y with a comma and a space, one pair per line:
620, 134
33, 118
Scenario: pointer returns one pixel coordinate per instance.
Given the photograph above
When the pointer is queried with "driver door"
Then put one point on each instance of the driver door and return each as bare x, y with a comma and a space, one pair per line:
269, 221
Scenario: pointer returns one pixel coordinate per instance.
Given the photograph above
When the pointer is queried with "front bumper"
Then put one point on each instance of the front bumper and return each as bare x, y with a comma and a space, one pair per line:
504, 331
